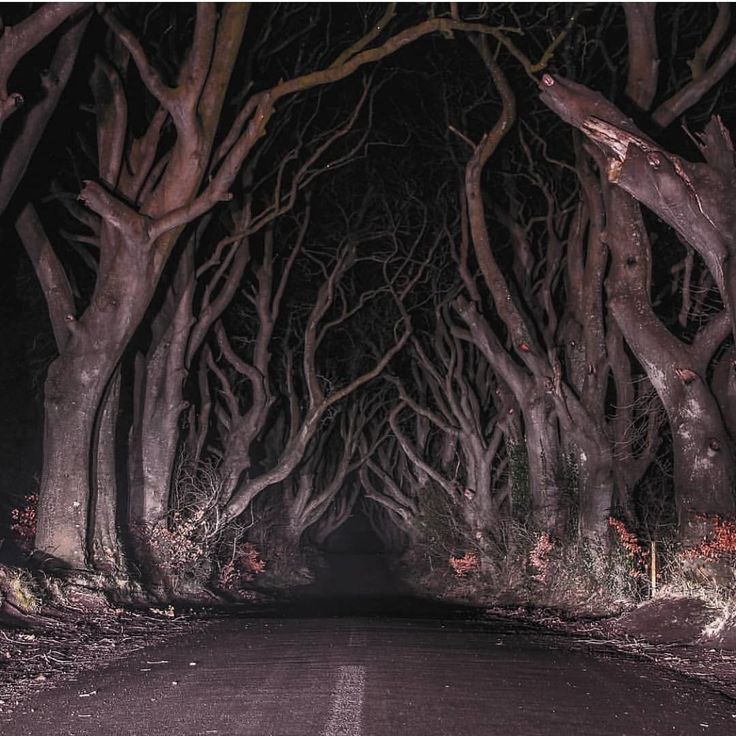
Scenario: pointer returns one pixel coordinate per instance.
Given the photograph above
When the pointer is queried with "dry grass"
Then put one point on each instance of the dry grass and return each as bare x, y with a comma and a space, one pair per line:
529, 569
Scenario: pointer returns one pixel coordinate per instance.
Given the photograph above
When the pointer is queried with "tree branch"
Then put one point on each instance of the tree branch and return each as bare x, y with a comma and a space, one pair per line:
54, 82
50, 273
695, 90
135, 228
641, 84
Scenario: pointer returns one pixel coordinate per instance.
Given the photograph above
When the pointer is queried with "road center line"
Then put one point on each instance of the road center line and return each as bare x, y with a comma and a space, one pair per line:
347, 702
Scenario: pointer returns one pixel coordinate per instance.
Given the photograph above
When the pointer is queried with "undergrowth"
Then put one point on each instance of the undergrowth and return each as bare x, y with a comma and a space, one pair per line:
524, 567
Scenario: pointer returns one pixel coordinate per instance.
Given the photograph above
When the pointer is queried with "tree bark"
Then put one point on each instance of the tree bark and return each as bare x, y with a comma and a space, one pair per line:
704, 469
543, 454
72, 396
74, 391
106, 553
541, 432
161, 408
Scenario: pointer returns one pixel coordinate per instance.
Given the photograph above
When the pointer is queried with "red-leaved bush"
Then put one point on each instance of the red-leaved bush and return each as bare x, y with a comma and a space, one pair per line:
178, 545
24, 523
242, 568
721, 543
464, 565
539, 556
629, 543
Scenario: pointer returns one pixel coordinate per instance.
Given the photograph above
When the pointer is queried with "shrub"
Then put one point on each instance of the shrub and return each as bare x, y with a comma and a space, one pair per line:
20, 589
522, 566
184, 547
441, 534
720, 545
539, 557
243, 565
628, 543
464, 565
706, 572
178, 549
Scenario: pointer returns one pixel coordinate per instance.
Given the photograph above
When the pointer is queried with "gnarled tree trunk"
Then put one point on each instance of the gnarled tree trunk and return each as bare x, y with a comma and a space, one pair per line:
704, 468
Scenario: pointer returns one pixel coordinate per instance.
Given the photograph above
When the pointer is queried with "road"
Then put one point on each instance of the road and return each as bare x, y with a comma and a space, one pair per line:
411, 668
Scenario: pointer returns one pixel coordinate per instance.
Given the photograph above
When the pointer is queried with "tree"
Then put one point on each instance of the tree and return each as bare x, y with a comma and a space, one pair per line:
685, 196
546, 293
161, 167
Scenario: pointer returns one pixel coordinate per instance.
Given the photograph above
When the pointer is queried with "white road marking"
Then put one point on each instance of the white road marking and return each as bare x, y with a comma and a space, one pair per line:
347, 702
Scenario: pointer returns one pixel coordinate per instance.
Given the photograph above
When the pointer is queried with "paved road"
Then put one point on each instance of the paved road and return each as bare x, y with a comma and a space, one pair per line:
309, 672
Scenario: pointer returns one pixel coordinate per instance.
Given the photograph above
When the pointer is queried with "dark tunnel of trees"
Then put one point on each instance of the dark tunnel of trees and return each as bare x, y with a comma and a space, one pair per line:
456, 276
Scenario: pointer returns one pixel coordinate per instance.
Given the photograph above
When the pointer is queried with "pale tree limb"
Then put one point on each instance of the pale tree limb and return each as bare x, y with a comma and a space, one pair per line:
318, 405
53, 82
368, 38
717, 32
641, 83
50, 273
112, 120
18, 40
699, 86
450, 487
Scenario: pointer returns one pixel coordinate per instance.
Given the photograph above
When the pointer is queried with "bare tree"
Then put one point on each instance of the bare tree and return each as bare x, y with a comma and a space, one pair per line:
687, 197
459, 403
155, 178
332, 308
311, 492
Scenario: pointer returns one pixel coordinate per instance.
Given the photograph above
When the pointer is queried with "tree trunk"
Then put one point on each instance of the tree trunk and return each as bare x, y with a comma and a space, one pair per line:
724, 388
162, 400
478, 506
74, 389
161, 410
543, 453
704, 469
105, 543
235, 463
540, 424
595, 493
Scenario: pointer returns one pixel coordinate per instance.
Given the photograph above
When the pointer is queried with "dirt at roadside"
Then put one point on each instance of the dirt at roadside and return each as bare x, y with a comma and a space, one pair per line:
682, 634
53, 628
58, 643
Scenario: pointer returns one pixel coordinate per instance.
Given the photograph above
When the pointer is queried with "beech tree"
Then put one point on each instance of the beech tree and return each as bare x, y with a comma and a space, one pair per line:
157, 175
312, 490
687, 197
560, 349
531, 369
333, 307
274, 261
459, 403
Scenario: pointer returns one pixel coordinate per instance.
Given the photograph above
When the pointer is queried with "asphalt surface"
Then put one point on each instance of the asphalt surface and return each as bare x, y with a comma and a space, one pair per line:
324, 667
